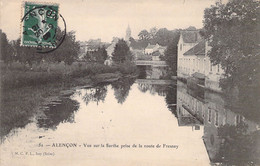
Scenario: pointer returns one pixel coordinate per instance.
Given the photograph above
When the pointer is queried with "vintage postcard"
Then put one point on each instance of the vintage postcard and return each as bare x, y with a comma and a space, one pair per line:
130, 82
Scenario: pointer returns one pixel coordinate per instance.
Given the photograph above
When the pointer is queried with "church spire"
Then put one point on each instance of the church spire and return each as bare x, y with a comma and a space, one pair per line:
128, 33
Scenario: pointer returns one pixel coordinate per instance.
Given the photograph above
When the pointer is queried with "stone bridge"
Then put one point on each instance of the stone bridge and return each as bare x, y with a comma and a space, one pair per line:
150, 63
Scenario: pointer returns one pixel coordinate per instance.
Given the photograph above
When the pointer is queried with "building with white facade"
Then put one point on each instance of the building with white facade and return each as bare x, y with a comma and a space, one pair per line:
151, 48
193, 61
155, 51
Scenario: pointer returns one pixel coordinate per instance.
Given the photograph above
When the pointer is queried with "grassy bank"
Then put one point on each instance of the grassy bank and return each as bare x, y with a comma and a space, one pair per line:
23, 89
18, 76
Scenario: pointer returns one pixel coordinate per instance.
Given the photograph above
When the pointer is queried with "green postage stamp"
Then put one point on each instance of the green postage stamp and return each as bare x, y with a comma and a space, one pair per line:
39, 24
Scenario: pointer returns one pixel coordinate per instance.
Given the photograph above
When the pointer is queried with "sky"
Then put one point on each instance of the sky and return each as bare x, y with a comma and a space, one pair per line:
105, 19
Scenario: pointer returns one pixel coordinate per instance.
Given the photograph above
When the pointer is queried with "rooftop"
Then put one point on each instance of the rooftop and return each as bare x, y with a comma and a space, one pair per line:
150, 46
198, 49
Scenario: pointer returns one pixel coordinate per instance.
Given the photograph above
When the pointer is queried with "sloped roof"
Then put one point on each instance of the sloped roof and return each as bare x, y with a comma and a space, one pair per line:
198, 49
150, 46
162, 47
93, 46
190, 36
156, 53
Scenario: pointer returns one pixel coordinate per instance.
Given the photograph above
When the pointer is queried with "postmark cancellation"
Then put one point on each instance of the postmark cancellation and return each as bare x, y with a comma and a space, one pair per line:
39, 24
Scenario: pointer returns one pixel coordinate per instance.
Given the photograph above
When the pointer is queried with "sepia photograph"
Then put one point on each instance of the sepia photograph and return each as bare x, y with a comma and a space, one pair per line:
130, 83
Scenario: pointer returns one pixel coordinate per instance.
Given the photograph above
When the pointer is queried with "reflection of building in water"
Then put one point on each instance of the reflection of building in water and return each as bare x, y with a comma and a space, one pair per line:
190, 110
209, 110
215, 116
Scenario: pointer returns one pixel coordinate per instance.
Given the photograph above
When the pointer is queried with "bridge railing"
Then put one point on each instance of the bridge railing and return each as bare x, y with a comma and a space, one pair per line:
141, 62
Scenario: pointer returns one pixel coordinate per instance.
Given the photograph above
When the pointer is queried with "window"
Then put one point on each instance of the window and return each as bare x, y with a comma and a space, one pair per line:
181, 47
218, 68
216, 118
211, 67
193, 64
198, 64
203, 112
209, 115
224, 120
239, 119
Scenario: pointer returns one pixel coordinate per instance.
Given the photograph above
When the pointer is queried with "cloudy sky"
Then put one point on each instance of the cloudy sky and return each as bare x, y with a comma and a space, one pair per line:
107, 18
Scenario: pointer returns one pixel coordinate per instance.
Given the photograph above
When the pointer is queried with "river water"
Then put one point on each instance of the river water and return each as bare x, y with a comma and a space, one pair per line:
145, 121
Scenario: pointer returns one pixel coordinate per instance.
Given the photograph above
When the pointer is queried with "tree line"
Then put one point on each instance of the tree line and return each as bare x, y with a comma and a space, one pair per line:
11, 51
161, 36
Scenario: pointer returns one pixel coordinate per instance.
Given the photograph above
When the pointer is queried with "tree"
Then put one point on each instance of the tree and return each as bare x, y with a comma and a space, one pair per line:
101, 55
171, 54
7, 51
153, 32
26, 55
121, 52
233, 32
163, 37
144, 35
191, 28
68, 50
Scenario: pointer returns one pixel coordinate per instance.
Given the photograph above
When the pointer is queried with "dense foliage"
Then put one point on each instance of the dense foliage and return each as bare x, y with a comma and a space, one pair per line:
239, 146
171, 54
234, 35
7, 52
14, 52
121, 52
162, 37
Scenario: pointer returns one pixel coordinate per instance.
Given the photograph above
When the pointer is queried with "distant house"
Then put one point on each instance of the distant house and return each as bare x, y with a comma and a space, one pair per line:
156, 56
194, 62
155, 51
151, 48
188, 39
92, 48
111, 47
91, 45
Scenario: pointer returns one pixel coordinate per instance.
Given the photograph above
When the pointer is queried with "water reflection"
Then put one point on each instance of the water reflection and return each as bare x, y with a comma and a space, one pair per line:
152, 72
229, 137
96, 94
62, 111
171, 98
121, 88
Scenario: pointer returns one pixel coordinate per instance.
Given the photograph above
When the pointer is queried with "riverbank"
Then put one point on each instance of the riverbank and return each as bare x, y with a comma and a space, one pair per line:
22, 95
